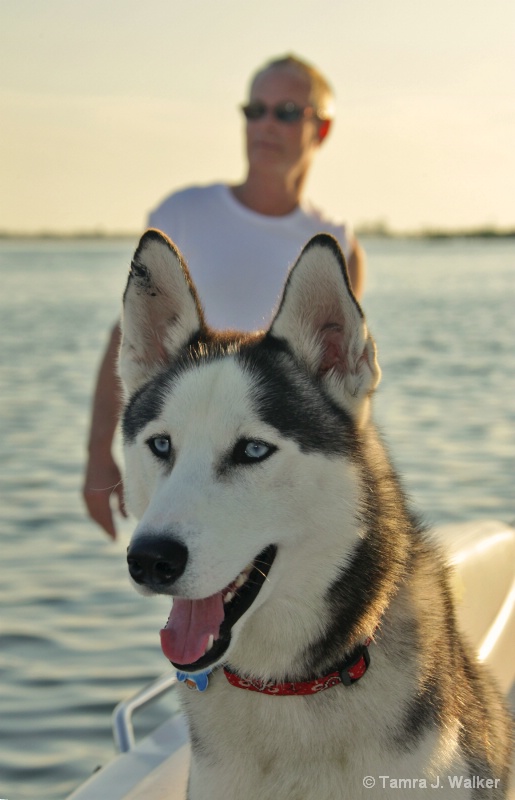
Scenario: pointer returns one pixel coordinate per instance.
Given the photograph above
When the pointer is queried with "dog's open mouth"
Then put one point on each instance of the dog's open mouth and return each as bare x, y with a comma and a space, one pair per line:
198, 632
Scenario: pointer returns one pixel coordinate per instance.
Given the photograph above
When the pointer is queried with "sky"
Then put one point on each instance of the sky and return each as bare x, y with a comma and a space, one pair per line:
106, 106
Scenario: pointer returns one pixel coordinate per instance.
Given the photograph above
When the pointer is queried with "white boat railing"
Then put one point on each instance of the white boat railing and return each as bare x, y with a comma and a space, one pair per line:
123, 730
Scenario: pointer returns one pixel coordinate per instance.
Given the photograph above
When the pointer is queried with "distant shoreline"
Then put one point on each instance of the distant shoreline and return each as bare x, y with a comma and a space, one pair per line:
483, 232
373, 230
68, 235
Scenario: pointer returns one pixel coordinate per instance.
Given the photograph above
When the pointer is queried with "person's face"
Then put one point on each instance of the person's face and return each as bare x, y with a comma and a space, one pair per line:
276, 147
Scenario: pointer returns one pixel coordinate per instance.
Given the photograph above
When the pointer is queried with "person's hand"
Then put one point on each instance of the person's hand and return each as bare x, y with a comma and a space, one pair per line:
103, 492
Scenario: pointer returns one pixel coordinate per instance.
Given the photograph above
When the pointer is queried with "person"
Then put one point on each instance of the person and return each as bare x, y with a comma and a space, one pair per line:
238, 240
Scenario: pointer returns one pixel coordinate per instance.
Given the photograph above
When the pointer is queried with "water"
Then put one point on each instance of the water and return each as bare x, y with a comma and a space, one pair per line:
74, 637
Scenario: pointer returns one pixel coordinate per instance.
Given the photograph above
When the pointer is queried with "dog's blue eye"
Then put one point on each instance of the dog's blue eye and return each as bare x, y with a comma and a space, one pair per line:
256, 450
251, 451
161, 446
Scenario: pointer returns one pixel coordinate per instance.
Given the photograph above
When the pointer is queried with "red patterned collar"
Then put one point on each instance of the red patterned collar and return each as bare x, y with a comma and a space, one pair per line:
347, 673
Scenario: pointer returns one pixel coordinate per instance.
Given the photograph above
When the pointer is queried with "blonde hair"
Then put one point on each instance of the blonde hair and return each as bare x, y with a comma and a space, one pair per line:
321, 93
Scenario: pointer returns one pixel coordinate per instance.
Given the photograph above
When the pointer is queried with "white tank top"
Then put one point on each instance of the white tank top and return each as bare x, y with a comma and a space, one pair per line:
238, 259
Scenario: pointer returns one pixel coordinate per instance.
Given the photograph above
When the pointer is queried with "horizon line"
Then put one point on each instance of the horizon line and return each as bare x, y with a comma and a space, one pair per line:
367, 229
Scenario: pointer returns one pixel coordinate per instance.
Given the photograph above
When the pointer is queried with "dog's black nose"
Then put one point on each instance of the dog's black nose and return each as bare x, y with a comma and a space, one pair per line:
156, 561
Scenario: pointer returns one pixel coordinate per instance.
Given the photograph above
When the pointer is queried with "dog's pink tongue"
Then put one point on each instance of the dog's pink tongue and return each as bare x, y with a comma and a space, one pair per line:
186, 634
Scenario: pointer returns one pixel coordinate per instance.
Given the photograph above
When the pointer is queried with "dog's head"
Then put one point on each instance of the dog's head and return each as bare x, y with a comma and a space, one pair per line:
230, 439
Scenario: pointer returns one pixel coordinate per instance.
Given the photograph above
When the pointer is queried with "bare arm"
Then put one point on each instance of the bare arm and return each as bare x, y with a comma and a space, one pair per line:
357, 269
103, 479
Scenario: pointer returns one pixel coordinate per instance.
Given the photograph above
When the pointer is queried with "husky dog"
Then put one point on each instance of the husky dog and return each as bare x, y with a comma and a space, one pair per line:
269, 511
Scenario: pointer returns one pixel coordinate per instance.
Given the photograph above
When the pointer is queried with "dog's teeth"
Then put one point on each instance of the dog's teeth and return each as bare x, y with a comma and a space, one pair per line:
210, 643
228, 597
240, 580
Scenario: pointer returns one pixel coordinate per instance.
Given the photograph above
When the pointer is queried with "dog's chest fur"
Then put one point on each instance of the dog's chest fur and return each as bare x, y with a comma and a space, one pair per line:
313, 748
323, 747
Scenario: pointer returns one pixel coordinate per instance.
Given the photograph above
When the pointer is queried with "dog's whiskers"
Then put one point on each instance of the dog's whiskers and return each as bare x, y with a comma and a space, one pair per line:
105, 488
114, 487
261, 561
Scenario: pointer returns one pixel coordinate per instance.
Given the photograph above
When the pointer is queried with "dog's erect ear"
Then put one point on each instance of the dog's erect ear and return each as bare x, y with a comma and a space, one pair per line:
161, 310
323, 324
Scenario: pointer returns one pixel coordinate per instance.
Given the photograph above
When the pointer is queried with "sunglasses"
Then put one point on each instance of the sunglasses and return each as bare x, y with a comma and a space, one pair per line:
287, 112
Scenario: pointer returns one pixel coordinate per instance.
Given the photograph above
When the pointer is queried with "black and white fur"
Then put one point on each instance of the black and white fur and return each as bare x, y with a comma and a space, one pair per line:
351, 560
